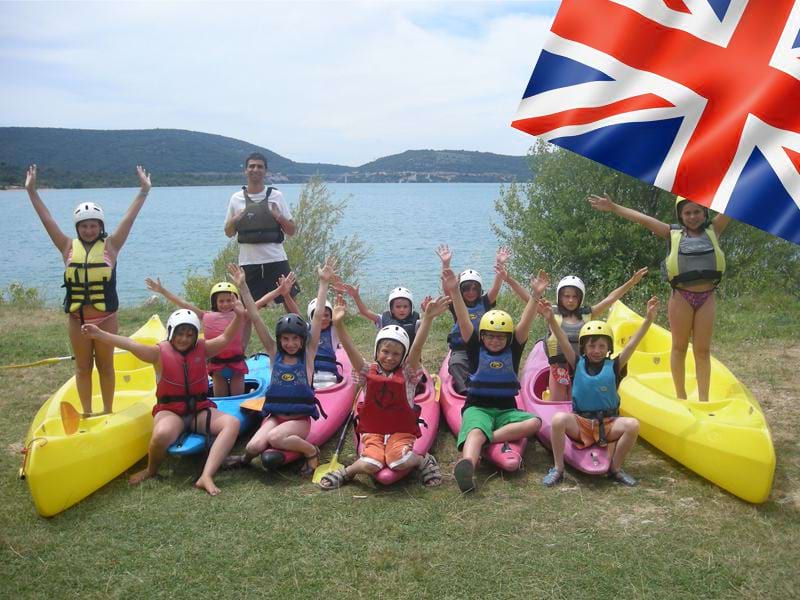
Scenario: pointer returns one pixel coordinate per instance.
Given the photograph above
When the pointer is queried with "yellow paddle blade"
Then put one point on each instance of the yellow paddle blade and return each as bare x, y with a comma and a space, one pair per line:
326, 468
70, 418
44, 361
437, 387
254, 404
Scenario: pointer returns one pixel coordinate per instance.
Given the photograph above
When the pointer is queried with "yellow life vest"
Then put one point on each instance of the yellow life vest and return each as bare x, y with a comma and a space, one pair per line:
693, 259
89, 280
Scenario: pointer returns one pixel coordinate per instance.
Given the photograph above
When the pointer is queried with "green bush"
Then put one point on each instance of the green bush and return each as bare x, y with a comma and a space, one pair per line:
18, 296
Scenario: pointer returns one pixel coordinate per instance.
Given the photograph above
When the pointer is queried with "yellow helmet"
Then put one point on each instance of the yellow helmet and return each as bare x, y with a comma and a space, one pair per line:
222, 286
597, 328
496, 321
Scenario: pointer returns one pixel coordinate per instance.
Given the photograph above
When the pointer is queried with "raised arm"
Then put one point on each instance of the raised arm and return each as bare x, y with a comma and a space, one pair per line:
720, 223
363, 309
59, 238
630, 347
339, 312
284, 288
500, 260
217, 345
515, 285
433, 309
604, 204
327, 273
155, 286
605, 303
450, 286
539, 284
117, 239
148, 354
543, 308
238, 277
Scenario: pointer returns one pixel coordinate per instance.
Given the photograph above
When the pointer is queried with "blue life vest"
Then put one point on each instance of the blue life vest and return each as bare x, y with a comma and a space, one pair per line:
495, 376
289, 392
325, 360
595, 393
454, 339
409, 323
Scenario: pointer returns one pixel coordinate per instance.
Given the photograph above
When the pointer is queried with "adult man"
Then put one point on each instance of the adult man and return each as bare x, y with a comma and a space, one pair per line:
261, 218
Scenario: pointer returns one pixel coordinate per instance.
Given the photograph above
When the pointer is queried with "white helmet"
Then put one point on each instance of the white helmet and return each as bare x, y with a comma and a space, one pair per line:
400, 292
396, 334
313, 305
182, 316
571, 281
88, 210
470, 275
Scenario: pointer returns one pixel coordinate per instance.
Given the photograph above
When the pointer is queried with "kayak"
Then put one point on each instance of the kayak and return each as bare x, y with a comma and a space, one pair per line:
336, 401
535, 378
255, 384
428, 402
61, 468
725, 440
507, 455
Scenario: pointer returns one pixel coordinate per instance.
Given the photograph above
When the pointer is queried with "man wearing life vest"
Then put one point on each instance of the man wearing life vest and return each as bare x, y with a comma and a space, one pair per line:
595, 401
387, 418
90, 279
693, 267
182, 390
260, 218
494, 350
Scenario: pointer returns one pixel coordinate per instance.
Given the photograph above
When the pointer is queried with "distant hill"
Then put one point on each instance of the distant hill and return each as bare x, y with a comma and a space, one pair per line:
105, 158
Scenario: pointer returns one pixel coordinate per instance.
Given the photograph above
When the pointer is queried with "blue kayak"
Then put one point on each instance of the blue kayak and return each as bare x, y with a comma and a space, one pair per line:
255, 383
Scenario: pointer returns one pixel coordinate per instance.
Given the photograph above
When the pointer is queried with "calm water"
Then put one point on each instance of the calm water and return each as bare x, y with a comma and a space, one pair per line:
180, 230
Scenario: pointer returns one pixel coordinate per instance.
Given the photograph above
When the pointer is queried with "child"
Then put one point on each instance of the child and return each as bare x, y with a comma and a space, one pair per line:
290, 402
571, 315
91, 281
470, 287
387, 423
694, 267
180, 365
494, 350
326, 370
595, 402
401, 309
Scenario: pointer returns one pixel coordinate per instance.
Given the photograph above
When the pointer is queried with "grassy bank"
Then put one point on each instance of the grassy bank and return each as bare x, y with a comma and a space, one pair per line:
675, 535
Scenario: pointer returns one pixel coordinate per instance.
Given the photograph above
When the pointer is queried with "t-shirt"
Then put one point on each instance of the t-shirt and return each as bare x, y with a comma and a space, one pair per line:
259, 254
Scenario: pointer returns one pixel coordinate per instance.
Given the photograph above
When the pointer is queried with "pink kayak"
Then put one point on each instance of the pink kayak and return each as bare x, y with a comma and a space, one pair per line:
535, 378
506, 455
337, 401
428, 402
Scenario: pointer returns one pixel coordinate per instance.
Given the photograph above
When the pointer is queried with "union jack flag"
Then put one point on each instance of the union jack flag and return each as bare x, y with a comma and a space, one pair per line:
699, 97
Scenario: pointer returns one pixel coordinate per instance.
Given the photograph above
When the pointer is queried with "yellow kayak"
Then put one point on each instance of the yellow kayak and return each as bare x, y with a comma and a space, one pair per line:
725, 440
62, 468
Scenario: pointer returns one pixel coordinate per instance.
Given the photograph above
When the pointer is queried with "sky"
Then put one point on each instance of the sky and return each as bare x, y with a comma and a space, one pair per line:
335, 82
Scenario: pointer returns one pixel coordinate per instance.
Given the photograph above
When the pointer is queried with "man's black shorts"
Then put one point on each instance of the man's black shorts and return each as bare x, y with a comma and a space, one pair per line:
262, 279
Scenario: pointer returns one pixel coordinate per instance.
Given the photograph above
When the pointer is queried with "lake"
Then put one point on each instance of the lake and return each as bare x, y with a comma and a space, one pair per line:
179, 230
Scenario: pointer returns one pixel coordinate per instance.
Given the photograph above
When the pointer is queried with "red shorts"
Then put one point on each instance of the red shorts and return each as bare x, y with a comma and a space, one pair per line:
180, 408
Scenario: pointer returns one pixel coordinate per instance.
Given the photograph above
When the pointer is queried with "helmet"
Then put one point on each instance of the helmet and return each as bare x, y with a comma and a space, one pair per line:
470, 275
597, 328
571, 281
291, 323
88, 210
396, 334
222, 286
679, 201
496, 321
400, 292
182, 316
313, 305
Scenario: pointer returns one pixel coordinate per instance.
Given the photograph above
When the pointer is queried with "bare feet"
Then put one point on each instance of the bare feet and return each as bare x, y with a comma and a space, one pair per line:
207, 484
139, 477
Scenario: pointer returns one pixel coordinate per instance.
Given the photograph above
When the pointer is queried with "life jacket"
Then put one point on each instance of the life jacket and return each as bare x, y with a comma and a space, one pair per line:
289, 391
184, 377
258, 226
409, 323
214, 325
693, 259
454, 339
386, 408
572, 330
325, 360
494, 378
594, 396
89, 279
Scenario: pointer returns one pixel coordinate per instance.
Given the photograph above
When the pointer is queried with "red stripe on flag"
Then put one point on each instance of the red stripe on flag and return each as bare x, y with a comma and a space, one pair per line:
794, 157
677, 5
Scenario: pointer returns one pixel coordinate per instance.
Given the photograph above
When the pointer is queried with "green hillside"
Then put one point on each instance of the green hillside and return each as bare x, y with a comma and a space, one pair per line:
451, 161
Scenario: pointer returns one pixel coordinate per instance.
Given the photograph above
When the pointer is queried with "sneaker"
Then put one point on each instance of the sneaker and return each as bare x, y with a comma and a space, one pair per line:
622, 477
465, 475
553, 477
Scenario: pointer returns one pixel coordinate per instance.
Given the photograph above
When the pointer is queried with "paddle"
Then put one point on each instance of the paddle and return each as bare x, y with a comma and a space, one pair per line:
254, 404
437, 387
326, 468
70, 418
46, 361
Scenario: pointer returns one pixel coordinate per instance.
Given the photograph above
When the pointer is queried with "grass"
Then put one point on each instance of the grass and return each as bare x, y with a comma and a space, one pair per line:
675, 535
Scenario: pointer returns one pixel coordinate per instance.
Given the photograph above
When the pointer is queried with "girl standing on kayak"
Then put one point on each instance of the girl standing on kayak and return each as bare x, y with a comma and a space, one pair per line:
694, 267
90, 277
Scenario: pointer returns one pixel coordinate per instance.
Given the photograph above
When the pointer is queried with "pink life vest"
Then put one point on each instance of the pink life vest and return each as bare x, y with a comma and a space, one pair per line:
214, 325
385, 409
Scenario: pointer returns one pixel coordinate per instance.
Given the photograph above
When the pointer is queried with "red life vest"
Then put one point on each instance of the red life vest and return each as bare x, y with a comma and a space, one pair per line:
184, 378
214, 325
385, 408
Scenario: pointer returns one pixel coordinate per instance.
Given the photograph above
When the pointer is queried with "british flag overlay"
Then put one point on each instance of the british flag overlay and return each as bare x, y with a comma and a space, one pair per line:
699, 97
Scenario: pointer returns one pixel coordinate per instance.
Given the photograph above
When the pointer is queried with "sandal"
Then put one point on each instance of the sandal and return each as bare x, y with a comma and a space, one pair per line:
235, 461
334, 479
307, 470
465, 475
429, 472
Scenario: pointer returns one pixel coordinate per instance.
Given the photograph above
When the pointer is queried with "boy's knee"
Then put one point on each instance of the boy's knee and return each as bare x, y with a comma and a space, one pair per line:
631, 425
560, 420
